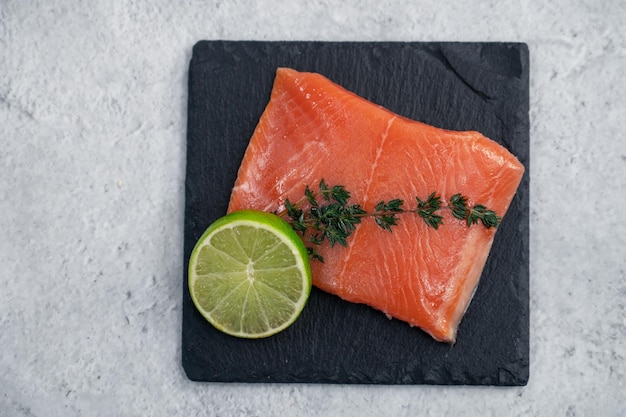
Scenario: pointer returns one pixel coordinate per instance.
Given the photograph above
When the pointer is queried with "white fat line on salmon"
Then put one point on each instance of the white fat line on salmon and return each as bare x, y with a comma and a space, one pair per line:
379, 152
369, 183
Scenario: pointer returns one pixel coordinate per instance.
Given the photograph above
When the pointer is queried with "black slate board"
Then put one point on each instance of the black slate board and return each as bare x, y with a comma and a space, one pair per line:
460, 86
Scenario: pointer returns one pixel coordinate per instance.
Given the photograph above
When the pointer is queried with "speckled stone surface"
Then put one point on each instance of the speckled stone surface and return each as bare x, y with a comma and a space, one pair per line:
92, 160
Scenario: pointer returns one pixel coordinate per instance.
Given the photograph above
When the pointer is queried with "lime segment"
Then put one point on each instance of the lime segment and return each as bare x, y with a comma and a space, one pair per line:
249, 274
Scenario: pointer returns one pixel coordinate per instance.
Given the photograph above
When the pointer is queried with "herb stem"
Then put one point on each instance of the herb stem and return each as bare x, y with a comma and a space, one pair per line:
328, 215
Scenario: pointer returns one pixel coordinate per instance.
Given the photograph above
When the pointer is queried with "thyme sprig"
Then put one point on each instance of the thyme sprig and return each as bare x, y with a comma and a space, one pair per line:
472, 215
328, 216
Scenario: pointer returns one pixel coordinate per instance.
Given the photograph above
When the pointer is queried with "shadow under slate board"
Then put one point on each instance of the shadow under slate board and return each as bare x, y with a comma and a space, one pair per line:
458, 86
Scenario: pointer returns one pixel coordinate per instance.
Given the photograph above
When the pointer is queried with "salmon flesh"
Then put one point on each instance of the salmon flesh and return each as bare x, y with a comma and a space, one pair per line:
314, 129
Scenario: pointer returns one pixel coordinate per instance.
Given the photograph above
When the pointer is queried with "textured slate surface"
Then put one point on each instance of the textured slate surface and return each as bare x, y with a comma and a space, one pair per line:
461, 86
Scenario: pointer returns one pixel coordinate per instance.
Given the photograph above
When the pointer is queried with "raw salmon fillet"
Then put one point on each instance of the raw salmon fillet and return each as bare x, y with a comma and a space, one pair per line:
313, 129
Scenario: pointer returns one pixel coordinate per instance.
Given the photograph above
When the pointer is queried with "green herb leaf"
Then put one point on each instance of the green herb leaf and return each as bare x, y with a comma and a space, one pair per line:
488, 218
458, 203
310, 196
426, 210
386, 213
315, 255
340, 194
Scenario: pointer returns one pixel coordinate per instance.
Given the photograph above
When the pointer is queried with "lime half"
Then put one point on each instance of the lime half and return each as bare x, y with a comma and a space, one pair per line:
249, 274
